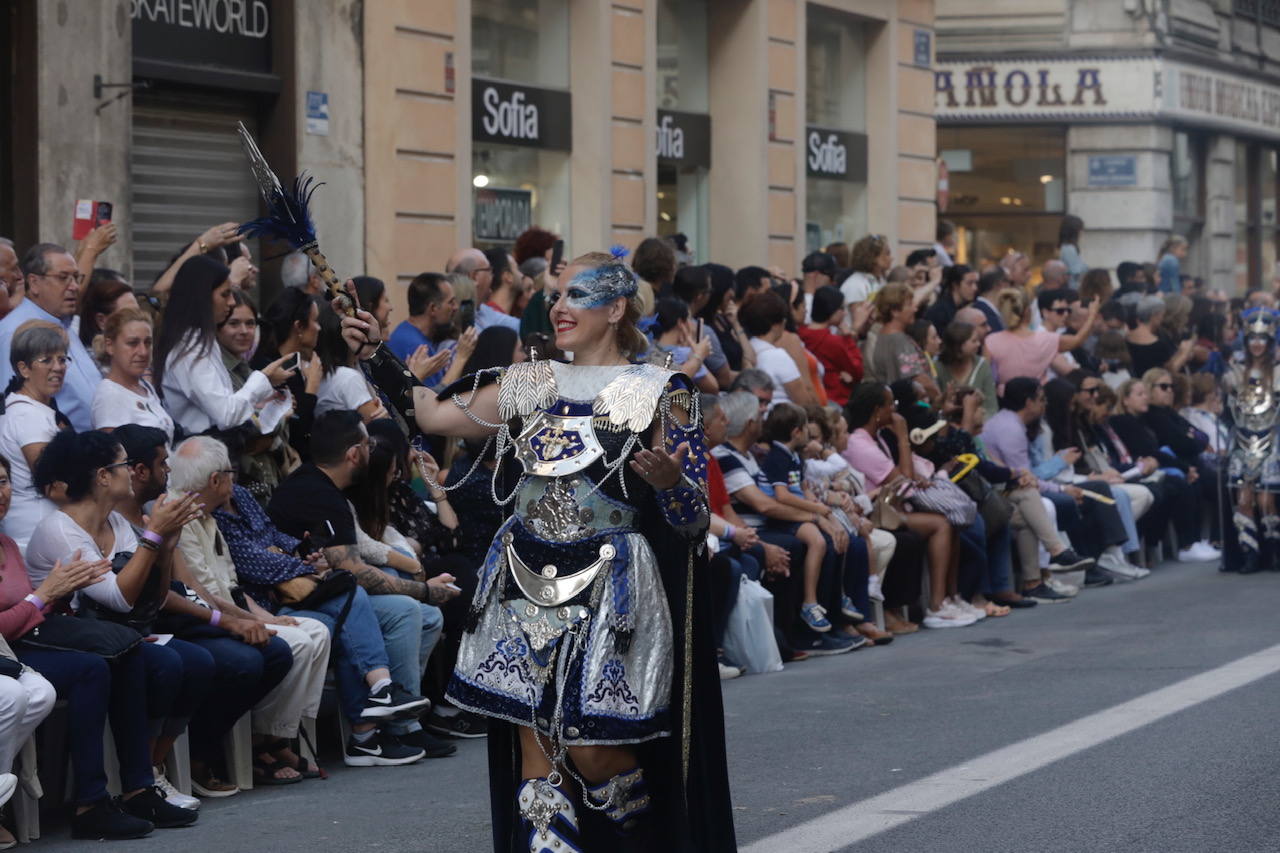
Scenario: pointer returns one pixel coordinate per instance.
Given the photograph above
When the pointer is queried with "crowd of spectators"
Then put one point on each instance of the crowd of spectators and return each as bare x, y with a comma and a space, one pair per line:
890, 447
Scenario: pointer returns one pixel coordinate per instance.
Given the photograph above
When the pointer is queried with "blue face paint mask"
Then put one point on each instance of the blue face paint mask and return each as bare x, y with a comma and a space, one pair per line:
600, 286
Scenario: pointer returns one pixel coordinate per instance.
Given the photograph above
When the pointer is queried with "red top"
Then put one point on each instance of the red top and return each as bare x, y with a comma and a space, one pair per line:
838, 354
717, 494
17, 616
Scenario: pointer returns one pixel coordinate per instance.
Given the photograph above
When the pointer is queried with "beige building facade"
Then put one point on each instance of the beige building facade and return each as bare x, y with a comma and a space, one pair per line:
759, 129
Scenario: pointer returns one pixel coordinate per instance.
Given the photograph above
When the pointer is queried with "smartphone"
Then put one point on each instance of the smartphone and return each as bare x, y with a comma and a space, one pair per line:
305, 546
104, 212
697, 338
89, 215
294, 363
557, 255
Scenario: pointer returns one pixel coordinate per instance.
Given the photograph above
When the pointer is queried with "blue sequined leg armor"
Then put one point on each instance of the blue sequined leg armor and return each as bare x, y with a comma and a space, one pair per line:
624, 799
547, 818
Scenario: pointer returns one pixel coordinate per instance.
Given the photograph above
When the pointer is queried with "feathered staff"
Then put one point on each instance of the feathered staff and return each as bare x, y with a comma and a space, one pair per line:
288, 217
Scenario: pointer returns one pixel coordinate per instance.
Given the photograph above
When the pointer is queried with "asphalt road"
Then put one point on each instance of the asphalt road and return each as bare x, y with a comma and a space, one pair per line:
828, 733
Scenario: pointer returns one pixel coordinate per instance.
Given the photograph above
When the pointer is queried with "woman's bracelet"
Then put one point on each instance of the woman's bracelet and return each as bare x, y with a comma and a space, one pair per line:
153, 537
36, 600
215, 616
729, 530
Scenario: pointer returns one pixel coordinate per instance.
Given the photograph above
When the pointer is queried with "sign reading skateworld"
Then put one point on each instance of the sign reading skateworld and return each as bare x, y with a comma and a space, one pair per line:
838, 155
520, 115
228, 34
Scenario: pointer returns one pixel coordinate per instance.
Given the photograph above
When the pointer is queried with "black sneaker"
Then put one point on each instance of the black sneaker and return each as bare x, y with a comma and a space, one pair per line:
381, 750
462, 724
105, 821
1045, 594
433, 746
392, 701
150, 805
1069, 561
1097, 577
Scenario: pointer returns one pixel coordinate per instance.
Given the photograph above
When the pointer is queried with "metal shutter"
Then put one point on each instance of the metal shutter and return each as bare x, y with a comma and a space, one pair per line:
188, 173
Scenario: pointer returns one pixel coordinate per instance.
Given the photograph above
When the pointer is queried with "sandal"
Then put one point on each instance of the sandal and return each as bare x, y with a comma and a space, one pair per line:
295, 761
994, 609
265, 768
874, 634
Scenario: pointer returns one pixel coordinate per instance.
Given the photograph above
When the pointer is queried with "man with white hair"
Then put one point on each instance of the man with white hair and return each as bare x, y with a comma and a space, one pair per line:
235, 544
298, 271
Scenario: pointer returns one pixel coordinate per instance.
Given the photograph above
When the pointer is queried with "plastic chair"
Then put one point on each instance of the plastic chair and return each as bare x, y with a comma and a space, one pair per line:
26, 800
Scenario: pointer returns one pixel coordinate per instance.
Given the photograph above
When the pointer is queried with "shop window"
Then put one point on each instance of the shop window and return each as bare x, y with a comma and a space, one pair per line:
517, 187
682, 55
835, 70
683, 127
1007, 190
524, 41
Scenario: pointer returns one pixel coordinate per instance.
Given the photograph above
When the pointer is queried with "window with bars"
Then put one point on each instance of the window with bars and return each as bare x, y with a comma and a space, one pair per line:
1266, 10
1257, 225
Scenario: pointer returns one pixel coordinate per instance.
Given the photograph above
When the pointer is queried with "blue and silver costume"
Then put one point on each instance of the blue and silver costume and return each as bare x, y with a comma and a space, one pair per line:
572, 632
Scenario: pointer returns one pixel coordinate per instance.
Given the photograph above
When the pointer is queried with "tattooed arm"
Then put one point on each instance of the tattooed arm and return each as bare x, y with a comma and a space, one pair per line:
377, 582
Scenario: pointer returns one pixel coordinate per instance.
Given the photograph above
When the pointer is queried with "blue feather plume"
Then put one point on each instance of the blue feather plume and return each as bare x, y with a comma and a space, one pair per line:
288, 214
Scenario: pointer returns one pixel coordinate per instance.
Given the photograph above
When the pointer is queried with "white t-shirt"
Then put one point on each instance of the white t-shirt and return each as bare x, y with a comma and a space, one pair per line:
345, 388
115, 405
58, 537
25, 422
859, 287
775, 361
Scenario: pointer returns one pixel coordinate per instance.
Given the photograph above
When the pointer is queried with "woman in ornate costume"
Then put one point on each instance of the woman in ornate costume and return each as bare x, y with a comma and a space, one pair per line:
1253, 467
589, 641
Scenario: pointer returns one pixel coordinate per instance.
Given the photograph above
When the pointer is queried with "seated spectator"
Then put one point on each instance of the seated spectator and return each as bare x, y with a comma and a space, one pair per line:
895, 355
1148, 347
674, 336
837, 351
257, 557
94, 688
197, 388
764, 319
246, 655
311, 503
959, 289
106, 293
779, 524
343, 386
53, 285
124, 396
758, 384
1022, 351
95, 469
31, 419
26, 698
960, 363
870, 410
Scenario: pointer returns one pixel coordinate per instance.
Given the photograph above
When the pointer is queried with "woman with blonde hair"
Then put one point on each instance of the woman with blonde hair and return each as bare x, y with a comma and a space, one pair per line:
895, 355
870, 259
1022, 351
125, 396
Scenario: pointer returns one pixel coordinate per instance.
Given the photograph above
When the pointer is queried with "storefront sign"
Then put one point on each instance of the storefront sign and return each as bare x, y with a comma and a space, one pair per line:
1045, 88
839, 155
1113, 170
226, 34
502, 215
684, 139
1221, 100
318, 113
520, 115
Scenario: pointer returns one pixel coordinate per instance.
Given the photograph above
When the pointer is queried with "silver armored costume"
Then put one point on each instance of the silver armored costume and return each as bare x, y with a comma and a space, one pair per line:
1253, 397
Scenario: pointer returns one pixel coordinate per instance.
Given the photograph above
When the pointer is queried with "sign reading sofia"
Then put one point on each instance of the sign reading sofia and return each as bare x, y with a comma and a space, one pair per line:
839, 155
520, 115
1046, 87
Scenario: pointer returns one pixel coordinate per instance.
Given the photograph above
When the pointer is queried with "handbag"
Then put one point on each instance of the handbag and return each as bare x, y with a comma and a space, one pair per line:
60, 632
996, 509
305, 592
947, 499
142, 616
886, 510
749, 639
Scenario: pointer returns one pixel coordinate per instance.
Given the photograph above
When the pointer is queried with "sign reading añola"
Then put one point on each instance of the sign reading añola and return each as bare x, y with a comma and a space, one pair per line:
1048, 87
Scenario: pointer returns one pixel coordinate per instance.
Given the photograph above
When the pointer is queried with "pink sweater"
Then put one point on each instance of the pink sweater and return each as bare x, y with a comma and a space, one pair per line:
17, 616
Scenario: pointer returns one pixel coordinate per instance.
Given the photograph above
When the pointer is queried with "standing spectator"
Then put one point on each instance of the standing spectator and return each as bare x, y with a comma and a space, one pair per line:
124, 396
721, 313
764, 319
291, 326
945, 236
372, 293
38, 358
673, 335
299, 273
870, 260
959, 289
497, 307
1023, 351
654, 261
1018, 268
819, 270
1169, 265
692, 285
106, 293
990, 283
539, 243
13, 286
750, 282
1069, 232
837, 351
895, 355
432, 309
196, 386
1149, 347
343, 385
53, 288
961, 364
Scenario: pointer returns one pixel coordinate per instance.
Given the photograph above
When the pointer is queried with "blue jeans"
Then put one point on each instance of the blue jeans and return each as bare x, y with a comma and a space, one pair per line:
400, 621
1125, 508
360, 644
432, 626
95, 690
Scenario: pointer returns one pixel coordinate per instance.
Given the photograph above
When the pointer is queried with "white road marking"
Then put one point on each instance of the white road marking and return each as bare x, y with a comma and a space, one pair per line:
859, 821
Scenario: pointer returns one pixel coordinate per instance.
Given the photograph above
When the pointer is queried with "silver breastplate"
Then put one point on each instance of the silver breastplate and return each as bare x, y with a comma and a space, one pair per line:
1255, 403
556, 445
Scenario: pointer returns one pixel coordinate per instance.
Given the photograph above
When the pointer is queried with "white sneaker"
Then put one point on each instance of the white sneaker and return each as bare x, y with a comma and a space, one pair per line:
945, 618
172, 795
1197, 554
1207, 551
727, 672
874, 588
1127, 570
967, 609
1062, 587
